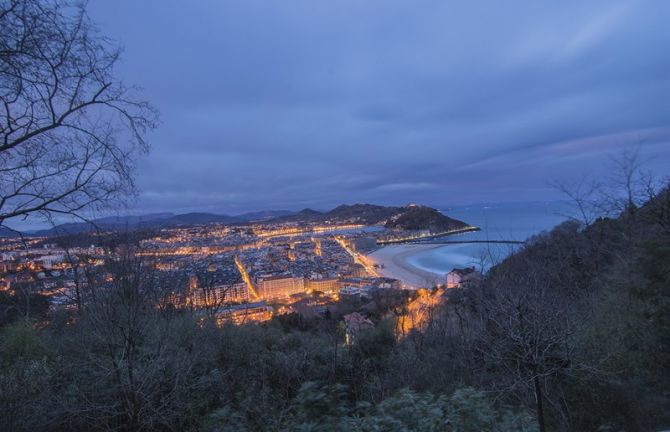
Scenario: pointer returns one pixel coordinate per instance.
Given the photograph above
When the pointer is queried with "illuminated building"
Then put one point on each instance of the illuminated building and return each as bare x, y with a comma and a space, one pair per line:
245, 313
215, 295
328, 285
237, 292
273, 287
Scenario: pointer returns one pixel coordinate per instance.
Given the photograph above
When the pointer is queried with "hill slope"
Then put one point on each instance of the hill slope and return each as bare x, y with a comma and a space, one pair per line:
422, 218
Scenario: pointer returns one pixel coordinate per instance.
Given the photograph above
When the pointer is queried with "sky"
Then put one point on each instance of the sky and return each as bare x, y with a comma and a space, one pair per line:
293, 104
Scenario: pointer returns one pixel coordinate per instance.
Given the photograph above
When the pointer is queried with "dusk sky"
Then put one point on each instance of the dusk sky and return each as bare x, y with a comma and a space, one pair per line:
293, 104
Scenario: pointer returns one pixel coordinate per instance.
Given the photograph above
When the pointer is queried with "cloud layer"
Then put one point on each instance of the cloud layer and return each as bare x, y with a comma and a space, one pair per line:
301, 103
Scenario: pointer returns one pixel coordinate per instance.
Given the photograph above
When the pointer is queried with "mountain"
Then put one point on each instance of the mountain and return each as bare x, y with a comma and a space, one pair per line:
364, 213
8, 233
411, 217
133, 220
149, 221
303, 216
201, 219
421, 218
264, 215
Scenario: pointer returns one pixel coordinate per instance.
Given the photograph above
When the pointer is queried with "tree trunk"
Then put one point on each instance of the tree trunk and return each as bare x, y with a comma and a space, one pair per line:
538, 400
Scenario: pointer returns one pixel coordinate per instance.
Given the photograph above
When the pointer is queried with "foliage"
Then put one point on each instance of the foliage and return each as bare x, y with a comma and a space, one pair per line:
319, 407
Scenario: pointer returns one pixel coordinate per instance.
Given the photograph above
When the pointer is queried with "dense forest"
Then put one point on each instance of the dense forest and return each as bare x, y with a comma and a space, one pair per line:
571, 332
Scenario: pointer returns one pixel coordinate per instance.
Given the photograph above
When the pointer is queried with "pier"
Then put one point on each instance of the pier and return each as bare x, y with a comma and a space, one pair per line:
424, 237
447, 242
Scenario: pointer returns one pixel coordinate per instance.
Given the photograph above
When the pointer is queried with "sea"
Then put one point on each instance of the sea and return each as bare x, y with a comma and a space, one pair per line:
500, 222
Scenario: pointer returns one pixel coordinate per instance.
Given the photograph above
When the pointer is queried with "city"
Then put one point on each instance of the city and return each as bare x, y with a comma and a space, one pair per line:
239, 273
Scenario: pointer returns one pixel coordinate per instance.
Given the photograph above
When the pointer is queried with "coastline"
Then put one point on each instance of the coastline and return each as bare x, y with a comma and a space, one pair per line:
397, 266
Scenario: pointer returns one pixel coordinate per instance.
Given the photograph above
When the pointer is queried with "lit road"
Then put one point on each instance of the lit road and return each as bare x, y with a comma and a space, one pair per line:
245, 277
359, 258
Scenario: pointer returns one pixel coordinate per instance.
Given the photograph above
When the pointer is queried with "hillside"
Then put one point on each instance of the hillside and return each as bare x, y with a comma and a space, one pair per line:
8, 233
424, 218
367, 214
149, 221
596, 301
410, 217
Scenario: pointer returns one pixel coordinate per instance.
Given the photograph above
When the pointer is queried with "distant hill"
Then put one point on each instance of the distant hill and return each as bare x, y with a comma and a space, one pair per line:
365, 213
411, 217
368, 214
264, 215
150, 221
424, 218
7, 233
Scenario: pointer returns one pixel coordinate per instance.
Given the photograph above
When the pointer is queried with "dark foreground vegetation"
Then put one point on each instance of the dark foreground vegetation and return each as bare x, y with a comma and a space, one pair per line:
570, 333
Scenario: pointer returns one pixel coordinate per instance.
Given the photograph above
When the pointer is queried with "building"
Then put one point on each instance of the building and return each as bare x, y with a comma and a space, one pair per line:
354, 282
49, 261
273, 287
238, 292
379, 282
462, 276
357, 293
362, 244
217, 295
245, 313
325, 285
350, 292
387, 283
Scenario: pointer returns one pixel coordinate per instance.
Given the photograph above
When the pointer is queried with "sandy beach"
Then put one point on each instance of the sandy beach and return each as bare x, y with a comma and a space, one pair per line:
396, 265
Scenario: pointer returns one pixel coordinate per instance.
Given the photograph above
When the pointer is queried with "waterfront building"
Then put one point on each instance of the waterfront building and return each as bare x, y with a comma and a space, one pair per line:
362, 244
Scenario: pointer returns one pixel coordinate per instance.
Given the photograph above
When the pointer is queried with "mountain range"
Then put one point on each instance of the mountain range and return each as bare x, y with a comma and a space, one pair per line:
148, 221
408, 217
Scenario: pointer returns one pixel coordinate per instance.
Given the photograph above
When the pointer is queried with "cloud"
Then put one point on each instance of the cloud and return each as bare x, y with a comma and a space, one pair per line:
300, 103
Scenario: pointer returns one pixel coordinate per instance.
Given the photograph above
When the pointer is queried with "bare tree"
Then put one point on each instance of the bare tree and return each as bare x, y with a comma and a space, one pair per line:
208, 294
657, 193
526, 335
69, 131
137, 374
584, 198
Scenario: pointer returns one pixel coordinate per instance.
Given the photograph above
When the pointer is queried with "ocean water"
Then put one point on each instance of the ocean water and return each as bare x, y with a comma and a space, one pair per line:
512, 221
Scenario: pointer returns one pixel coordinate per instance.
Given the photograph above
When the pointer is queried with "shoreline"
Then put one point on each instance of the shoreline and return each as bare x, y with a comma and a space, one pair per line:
397, 266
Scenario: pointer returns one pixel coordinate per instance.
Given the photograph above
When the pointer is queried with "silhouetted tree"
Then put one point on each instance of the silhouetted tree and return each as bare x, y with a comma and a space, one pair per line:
69, 131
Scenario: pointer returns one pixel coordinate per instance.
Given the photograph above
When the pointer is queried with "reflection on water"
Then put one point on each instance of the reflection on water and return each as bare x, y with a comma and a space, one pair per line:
516, 221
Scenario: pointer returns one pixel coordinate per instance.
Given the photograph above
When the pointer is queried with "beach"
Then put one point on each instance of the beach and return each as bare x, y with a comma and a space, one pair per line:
421, 265
394, 258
